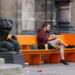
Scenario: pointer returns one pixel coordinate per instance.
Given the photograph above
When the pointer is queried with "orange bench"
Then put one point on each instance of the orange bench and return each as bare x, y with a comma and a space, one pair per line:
70, 39
33, 56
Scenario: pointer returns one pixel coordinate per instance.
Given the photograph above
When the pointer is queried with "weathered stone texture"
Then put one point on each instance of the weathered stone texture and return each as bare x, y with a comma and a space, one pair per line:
73, 13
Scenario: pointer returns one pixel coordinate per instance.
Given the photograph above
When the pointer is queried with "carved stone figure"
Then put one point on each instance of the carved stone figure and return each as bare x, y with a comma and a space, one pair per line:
7, 45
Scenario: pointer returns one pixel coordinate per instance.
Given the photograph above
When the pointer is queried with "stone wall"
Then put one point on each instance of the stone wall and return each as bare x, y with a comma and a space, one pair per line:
29, 15
44, 12
8, 9
73, 13
39, 13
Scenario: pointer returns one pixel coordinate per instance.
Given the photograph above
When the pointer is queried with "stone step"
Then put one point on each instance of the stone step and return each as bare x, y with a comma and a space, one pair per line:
11, 69
2, 61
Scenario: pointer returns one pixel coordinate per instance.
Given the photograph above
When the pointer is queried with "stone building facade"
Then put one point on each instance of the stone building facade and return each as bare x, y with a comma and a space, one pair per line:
29, 15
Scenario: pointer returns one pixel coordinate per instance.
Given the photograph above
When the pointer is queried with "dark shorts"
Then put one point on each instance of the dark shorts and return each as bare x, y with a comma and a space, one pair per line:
42, 46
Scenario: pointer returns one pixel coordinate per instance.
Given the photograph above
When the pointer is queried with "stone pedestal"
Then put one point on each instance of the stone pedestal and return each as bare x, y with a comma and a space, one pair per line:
12, 57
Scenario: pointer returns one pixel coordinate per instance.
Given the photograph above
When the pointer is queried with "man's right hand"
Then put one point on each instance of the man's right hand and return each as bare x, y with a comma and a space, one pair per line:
52, 37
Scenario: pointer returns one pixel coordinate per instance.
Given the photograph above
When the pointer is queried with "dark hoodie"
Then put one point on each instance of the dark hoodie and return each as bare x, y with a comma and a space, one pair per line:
43, 36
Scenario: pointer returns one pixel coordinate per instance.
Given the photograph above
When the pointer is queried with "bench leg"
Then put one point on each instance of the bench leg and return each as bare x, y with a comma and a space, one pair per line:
32, 59
70, 57
55, 58
27, 58
35, 59
47, 58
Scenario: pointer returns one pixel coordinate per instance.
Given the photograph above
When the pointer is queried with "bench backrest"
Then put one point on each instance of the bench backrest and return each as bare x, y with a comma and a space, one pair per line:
26, 39
70, 38
31, 39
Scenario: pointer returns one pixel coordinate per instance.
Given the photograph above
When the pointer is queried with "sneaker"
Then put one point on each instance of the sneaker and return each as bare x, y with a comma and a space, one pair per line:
70, 46
64, 62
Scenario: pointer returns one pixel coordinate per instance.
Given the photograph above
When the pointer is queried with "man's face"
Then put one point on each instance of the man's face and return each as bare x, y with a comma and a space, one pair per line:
48, 28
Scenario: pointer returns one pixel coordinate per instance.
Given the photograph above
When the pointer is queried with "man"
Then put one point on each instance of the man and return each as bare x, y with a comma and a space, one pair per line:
44, 38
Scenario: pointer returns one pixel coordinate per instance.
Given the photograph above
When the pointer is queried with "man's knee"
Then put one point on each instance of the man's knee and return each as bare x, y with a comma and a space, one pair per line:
61, 46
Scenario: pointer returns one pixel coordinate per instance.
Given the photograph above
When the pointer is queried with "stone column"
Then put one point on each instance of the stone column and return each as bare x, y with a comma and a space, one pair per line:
19, 16
63, 17
28, 16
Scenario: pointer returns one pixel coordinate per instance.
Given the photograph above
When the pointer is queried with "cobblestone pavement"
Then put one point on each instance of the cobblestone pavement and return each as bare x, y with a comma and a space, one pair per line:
50, 69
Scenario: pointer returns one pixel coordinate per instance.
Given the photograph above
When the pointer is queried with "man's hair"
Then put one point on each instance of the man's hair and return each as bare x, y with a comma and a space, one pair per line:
45, 25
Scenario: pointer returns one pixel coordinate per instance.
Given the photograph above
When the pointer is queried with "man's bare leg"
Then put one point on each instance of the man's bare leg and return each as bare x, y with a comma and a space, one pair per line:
61, 47
62, 42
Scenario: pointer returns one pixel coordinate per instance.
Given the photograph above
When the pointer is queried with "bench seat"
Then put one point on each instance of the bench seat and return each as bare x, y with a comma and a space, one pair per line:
51, 56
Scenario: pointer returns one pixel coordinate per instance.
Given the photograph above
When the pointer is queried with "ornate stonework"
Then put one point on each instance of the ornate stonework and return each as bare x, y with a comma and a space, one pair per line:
29, 15
63, 0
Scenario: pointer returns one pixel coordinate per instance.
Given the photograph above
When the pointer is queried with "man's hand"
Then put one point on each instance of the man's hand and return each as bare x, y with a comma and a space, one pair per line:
52, 37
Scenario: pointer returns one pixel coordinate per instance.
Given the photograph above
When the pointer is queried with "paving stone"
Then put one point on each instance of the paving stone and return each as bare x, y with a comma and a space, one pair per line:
50, 69
11, 69
2, 61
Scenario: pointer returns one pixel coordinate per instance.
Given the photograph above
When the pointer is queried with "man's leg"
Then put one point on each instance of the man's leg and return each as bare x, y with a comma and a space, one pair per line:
66, 45
61, 47
56, 44
62, 42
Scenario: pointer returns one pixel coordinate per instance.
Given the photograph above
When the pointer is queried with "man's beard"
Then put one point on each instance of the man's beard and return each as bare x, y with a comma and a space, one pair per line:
47, 31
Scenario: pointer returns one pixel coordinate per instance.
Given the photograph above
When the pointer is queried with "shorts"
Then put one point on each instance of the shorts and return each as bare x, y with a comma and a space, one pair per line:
54, 43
